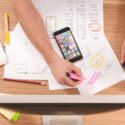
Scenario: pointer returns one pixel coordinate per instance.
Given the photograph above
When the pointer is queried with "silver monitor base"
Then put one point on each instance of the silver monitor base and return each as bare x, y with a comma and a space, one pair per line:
62, 120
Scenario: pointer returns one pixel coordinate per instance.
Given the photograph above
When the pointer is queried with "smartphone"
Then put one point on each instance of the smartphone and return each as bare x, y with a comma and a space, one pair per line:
68, 45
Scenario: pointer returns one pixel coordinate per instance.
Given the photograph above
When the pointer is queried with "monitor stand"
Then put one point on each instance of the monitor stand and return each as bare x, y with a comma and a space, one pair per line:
63, 120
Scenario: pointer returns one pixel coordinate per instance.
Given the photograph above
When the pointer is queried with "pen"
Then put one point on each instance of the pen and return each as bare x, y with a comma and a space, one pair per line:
74, 76
26, 81
6, 19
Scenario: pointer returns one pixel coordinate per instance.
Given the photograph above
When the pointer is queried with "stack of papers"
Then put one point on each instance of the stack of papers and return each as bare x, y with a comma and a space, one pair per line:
100, 66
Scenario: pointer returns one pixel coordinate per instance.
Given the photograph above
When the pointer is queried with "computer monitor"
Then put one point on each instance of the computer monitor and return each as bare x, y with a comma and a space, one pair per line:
60, 104
62, 109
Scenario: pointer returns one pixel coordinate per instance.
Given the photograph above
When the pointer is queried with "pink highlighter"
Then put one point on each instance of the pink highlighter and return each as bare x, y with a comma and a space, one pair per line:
74, 76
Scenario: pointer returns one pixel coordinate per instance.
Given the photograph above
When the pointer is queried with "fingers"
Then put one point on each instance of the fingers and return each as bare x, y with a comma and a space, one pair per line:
64, 80
76, 70
123, 53
67, 81
70, 82
61, 76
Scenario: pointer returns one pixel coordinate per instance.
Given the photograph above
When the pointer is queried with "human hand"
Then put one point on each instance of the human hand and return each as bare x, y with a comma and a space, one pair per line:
123, 54
60, 67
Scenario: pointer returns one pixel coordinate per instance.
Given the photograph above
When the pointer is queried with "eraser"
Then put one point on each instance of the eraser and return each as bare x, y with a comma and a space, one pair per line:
3, 57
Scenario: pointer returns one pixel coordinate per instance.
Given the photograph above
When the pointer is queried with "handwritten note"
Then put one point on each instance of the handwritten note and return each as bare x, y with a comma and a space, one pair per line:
102, 69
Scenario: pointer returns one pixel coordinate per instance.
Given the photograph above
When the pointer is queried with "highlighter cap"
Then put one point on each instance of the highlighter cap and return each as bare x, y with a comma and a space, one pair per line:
15, 117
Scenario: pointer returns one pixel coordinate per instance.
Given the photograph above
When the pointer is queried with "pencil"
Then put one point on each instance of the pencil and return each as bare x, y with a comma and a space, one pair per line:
10, 114
26, 81
7, 37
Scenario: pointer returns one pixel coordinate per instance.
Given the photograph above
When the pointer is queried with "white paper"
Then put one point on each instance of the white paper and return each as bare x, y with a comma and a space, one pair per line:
3, 58
100, 67
24, 61
82, 16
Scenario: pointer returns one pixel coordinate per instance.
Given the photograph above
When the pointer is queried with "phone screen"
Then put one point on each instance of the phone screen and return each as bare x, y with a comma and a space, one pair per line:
68, 45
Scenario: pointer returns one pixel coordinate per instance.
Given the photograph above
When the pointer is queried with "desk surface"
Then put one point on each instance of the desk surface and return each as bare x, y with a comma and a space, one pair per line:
114, 29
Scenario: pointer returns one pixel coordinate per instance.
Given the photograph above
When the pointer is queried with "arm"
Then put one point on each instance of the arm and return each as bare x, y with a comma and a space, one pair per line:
34, 28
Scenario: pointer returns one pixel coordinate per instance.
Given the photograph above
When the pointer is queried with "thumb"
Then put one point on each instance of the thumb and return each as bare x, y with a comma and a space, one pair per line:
77, 71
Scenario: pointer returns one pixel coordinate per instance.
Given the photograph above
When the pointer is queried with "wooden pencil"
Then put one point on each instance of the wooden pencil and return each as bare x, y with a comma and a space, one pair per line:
26, 81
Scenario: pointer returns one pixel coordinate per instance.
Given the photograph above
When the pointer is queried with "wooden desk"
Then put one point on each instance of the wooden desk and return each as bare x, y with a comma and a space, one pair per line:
114, 29
115, 32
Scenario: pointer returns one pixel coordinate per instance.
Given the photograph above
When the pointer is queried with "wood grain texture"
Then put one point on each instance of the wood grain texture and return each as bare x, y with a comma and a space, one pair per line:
24, 120
114, 16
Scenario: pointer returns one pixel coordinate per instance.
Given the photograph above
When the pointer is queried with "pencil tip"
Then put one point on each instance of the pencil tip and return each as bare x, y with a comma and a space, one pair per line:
42, 83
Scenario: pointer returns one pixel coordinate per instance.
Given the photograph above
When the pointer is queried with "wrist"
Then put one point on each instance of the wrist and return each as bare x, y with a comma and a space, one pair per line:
51, 58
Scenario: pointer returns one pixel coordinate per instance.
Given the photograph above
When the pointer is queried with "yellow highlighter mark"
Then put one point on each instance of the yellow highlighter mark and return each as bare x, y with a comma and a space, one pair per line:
6, 20
7, 37
96, 61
